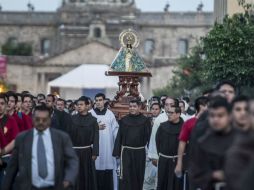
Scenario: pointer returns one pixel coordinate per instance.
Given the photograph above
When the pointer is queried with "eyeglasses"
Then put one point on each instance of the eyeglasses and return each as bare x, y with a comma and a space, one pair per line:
38, 119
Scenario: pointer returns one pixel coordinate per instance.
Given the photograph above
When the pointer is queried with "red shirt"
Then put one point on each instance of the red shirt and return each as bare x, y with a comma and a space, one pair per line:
19, 121
9, 131
187, 128
28, 123
24, 122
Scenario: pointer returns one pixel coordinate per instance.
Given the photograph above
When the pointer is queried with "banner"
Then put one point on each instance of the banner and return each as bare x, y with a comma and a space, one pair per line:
3, 66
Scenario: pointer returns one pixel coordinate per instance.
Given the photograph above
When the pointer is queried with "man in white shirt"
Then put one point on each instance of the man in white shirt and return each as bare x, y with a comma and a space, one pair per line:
43, 158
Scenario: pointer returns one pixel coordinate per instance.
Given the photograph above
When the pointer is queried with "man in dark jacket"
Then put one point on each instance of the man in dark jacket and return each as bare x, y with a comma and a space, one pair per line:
43, 158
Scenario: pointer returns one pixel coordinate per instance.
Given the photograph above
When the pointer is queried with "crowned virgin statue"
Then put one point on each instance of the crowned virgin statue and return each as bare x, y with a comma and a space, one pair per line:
127, 59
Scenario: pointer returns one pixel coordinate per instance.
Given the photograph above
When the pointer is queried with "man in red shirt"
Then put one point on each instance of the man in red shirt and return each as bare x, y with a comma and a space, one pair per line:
201, 107
8, 132
22, 120
26, 105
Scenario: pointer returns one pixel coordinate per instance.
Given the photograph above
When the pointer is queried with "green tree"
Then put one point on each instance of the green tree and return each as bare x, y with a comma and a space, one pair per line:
227, 53
186, 79
20, 49
229, 50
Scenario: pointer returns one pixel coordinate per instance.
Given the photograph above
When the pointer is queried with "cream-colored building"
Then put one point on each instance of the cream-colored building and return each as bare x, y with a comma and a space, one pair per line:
86, 32
227, 7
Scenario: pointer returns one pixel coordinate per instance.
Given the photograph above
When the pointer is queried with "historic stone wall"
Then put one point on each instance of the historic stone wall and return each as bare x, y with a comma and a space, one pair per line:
72, 42
29, 34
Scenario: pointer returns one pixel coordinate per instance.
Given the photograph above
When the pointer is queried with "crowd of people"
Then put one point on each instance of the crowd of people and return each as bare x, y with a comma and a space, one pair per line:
48, 143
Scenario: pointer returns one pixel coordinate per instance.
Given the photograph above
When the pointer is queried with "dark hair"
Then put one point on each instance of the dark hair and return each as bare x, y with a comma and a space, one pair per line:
135, 101
42, 107
84, 99
226, 82
61, 100
75, 102
164, 95
27, 96
176, 102
186, 99
90, 101
100, 95
156, 98
156, 104
13, 94
218, 102
3, 96
41, 95
240, 98
69, 101
19, 95
25, 92
181, 101
177, 109
201, 101
208, 91
52, 95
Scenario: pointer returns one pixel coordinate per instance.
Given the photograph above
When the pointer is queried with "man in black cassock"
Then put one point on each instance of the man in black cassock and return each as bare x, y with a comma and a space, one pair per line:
84, 133
130, 146
208, 165
167, 146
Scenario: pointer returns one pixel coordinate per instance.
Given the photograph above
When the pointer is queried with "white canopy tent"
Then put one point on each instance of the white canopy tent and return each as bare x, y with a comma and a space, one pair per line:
85, 78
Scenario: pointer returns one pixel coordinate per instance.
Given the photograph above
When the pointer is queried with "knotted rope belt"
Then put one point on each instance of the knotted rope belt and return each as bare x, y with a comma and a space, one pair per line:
6, 156
121, 159
168, 157
81, 147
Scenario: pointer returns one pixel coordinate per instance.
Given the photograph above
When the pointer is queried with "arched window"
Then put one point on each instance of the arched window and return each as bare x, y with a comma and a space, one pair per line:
149, 46
12, 40
45, 46
97, 32
183, 46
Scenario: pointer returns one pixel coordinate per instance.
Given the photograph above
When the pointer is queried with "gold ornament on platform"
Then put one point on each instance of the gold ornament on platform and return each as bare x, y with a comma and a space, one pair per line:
129, 39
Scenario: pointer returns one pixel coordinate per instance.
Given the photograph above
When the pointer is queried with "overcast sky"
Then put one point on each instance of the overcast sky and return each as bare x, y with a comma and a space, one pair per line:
145, 5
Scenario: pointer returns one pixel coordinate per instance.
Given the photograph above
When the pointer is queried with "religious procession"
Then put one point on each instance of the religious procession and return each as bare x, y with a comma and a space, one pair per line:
89, 109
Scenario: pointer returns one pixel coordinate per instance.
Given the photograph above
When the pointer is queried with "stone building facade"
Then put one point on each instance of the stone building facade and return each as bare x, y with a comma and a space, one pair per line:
86, 32
227, 7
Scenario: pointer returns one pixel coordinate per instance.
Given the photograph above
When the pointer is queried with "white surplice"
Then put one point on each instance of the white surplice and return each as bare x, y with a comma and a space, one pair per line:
105, 160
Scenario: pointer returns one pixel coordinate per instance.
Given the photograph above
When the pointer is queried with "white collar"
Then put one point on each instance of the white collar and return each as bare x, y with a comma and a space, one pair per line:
46, 132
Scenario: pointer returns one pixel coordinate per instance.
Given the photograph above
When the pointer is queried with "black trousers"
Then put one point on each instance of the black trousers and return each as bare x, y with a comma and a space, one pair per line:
44, 188
104, 179
50, 188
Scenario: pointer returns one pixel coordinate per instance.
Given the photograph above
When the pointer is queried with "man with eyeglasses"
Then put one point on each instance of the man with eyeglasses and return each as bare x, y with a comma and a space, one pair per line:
43, 158
152, 151
167, 145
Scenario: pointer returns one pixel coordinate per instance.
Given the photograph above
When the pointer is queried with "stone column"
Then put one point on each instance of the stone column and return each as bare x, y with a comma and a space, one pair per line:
42, 85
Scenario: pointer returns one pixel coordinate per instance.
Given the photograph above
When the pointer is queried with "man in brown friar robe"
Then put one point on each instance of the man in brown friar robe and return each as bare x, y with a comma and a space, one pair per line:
84, 133
130, 146
167, 144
